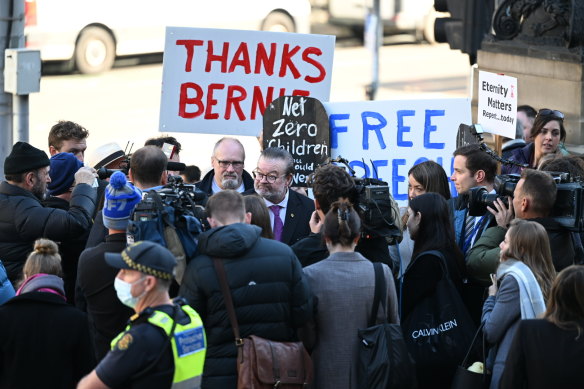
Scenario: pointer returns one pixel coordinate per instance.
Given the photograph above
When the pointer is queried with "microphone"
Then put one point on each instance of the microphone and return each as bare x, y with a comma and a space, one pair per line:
175, 166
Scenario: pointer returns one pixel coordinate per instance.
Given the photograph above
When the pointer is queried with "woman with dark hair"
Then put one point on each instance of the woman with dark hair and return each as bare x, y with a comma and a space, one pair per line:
430, 228
40, 330
258, 214
427, 176
343, 285
547, 132
525, 276
549, 352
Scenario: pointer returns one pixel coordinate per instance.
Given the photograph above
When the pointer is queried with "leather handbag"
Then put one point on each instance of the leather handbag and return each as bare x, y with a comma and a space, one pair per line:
467, 379
263, 363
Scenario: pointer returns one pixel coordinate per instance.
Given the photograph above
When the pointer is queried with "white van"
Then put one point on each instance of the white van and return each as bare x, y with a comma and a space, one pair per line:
90, 34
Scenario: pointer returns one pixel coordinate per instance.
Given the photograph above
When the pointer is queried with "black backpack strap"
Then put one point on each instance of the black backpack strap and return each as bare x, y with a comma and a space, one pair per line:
380, 292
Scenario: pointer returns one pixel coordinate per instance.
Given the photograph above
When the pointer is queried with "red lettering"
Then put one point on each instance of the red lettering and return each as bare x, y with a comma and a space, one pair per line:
258, 103
233, 101
222, 58
300, 92
241, 58
282, 92
185, 99
211, 101
305, 56
189, 44
262, 58
287, 61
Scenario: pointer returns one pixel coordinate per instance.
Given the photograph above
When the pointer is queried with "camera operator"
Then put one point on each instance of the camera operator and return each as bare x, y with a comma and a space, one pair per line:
147, 172
533, 199
472, 167
332, 183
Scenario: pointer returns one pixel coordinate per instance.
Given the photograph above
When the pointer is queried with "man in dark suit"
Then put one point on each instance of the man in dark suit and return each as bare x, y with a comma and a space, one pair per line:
290, 211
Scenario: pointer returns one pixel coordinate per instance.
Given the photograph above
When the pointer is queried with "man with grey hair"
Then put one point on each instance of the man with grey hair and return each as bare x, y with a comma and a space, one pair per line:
290, 211
228, 161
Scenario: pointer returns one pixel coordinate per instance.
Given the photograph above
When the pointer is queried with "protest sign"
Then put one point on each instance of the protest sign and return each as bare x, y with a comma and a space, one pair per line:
220, 81
384, 139
299, 125
497, 106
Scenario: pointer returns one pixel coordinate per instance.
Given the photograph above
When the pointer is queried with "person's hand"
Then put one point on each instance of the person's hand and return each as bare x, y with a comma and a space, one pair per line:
85, 175
493, 288
315, 223
503, 214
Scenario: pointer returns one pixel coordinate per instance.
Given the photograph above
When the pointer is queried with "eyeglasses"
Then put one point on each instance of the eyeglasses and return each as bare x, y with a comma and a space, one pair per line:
225, 164
271, 178
550, 112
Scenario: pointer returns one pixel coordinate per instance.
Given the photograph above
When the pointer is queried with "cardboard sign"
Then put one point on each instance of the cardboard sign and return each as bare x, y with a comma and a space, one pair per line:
221, 81
299, 125
497, 106
384, 139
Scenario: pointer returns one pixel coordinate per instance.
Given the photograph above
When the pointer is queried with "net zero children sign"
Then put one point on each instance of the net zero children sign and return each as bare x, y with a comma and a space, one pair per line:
497, 104
220, 81
299, 125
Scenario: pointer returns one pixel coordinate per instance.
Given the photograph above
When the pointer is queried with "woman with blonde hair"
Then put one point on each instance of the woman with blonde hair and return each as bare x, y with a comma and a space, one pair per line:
525, 276
549, 352
40, 330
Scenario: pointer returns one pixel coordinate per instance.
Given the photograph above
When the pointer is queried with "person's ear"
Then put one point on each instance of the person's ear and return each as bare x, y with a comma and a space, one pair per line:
480, 176
316, 205
289, 180
525, 204
53, 151
248, 218
29, 179
164, 178
131, 176
212, 222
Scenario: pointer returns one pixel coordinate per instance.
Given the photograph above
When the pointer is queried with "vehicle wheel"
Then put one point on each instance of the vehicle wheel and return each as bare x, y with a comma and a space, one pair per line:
95, 51
428, 28
279, 22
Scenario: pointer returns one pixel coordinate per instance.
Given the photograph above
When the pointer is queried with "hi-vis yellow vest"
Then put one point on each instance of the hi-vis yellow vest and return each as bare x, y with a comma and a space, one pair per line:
188, 347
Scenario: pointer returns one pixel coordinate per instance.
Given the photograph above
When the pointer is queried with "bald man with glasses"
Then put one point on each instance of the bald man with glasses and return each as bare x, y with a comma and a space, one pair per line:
228, 172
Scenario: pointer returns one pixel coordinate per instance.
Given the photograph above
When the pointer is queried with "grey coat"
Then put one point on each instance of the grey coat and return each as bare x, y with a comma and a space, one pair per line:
501, 315
343, 285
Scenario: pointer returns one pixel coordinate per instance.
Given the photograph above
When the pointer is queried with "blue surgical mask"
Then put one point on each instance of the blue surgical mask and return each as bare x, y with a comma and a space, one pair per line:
124, 292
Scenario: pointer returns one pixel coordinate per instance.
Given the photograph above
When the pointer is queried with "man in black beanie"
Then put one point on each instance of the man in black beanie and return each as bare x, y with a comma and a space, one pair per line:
23, 219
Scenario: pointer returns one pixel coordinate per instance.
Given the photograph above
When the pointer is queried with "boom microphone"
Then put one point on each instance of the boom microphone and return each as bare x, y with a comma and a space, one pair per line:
175, 166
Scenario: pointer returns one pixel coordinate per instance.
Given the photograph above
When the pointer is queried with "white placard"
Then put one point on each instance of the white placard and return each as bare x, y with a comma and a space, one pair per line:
384, 139
220, 81
497, 106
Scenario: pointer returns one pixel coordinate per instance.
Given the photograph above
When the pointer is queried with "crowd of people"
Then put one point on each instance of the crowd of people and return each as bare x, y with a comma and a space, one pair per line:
87, 307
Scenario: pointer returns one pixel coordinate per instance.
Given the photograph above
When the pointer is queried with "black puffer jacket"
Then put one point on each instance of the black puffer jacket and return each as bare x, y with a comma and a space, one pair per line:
23, 219
270, 295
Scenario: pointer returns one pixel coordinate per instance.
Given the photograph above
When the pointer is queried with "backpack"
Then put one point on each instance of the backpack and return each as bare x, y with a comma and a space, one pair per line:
166, 222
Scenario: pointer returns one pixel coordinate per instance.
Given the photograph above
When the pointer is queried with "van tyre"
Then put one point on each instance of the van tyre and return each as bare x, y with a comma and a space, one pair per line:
95, 51
279, 22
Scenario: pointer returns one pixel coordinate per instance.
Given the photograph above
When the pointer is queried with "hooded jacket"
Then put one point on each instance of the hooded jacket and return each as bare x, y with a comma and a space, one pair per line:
270, 295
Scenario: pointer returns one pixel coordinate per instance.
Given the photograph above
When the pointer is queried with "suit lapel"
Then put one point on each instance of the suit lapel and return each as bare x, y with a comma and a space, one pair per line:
291, 217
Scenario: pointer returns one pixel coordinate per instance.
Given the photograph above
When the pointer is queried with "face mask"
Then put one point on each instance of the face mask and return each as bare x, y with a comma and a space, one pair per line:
124, 292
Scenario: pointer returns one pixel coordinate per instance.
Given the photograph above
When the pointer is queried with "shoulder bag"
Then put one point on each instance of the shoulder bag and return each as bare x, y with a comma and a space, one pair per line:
439, 329
263, 363
384, 361
469, 379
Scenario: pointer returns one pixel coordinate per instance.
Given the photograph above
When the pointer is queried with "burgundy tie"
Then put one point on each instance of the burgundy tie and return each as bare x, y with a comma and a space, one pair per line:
278, 224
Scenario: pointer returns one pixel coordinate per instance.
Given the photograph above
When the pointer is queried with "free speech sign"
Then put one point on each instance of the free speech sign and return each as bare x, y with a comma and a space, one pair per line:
220, 81
384, 139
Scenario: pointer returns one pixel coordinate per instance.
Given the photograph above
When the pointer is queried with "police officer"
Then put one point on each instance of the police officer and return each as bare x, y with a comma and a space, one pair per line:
164, 344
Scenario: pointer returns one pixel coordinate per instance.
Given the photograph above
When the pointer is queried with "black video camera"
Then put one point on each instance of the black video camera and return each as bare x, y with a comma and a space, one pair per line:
568, 208
375, 206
